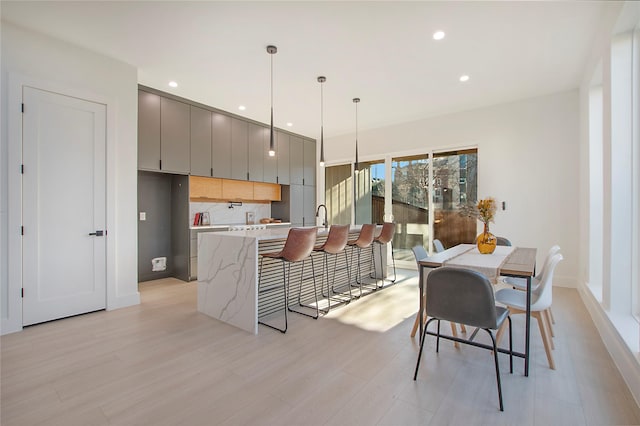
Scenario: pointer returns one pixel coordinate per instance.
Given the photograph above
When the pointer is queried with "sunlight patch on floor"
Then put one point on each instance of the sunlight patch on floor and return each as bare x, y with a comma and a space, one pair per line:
384, 309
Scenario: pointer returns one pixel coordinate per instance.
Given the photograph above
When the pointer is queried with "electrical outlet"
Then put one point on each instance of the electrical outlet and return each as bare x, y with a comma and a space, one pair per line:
143, 215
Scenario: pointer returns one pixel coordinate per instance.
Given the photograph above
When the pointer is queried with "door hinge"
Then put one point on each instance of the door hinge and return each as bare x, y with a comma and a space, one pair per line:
22, 230
22, 292
22, 107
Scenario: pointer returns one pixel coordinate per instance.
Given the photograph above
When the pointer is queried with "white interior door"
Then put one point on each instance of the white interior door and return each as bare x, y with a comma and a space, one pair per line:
64, 266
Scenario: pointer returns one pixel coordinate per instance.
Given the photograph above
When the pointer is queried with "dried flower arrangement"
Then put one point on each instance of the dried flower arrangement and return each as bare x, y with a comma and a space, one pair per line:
484, 210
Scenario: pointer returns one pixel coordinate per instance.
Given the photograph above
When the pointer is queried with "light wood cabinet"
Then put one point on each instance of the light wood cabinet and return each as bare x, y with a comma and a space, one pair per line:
237, 190
266, 191
205, 188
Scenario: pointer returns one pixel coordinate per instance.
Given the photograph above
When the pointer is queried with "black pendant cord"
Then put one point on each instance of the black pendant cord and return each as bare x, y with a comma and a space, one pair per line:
357, 164
321, 80
272, 151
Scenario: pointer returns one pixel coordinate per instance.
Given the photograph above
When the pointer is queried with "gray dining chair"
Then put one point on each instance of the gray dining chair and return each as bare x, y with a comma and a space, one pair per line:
466, 297
502, 241
438, 246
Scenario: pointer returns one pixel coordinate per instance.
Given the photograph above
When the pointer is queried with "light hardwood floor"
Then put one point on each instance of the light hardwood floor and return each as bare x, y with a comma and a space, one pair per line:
163, 363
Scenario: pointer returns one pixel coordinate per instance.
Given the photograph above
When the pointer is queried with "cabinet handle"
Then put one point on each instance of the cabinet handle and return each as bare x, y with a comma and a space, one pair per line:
97, 233
247, 175
212, 172
160, 164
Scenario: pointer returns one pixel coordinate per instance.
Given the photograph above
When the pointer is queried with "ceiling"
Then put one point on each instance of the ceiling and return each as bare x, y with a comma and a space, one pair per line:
381, 52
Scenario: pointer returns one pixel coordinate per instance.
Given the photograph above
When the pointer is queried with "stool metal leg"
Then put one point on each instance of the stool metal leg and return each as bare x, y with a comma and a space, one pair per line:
285, 289
315, 293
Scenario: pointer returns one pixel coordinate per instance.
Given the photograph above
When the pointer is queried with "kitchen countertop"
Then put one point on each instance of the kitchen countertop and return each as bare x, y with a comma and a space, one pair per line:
277, 233
237, 224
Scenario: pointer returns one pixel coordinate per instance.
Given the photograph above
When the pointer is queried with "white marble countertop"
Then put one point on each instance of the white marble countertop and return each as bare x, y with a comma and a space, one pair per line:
276, 233
237, 224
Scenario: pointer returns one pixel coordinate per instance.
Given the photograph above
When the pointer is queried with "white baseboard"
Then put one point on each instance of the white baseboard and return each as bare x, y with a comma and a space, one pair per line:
624, 358
124, 301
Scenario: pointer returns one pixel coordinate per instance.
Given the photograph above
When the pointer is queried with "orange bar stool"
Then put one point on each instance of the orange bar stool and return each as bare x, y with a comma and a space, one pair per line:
334, 245
386, 237
364, 241
297, 248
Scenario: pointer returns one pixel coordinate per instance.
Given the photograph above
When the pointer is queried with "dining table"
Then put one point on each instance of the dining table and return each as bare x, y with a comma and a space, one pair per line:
508, 261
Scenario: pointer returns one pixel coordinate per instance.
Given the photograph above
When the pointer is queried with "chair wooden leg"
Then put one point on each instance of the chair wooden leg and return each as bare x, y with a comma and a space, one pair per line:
547, 326
500, 332
553, 320
549, 321
463, 328
545, 338
454, 331
416, 324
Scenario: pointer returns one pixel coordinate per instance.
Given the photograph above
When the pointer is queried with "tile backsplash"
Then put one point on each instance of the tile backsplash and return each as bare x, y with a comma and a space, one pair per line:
220, 213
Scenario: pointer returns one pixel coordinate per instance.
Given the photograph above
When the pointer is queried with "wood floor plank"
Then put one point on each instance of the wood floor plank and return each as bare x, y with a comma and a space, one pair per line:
162, 362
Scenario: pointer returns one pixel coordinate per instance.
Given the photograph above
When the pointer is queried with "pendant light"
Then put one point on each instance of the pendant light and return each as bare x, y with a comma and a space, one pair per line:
272, 50
357, 165
321, 80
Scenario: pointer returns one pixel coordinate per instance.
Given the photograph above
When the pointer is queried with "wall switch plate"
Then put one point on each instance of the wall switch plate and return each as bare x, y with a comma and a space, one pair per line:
143, 215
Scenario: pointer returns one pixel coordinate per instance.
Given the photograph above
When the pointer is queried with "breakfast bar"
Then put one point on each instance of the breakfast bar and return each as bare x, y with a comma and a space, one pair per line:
228, 268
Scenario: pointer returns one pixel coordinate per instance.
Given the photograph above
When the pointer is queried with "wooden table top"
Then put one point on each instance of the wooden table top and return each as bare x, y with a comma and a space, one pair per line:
521, 262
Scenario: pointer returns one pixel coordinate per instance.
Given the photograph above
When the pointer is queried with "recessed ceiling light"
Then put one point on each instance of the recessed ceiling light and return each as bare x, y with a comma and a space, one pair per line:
438, 35
289, 124
464, 78
242, 107
173, 84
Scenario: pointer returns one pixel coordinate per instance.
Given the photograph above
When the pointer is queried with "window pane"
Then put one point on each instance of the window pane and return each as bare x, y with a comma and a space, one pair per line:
338, 194
370, 193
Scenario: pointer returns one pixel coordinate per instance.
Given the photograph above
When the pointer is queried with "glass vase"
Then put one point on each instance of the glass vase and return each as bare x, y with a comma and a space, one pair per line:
486, 241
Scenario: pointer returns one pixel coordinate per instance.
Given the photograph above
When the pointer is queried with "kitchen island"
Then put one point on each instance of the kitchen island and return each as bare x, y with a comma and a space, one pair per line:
228, 265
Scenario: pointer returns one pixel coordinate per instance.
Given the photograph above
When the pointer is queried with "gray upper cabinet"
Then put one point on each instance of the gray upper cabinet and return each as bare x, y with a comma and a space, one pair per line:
256, 153
296, 205
175, 130
309, 202
296, 160
221, 145
201, 142
271, 163
282, 155
239, 152
148, 131
309, 162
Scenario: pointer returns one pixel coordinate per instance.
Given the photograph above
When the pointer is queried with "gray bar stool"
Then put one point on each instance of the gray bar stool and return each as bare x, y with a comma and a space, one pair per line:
297, 248
364, 240
385, 237
334, 245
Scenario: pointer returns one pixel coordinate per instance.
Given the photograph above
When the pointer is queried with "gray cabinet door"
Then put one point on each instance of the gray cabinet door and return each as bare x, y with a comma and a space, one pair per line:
296, 160
221, 145
148, 131
256, 152
270, 163
309, 163
296, 203
309, 209
174, 136
239, 153
200, 142
282, 154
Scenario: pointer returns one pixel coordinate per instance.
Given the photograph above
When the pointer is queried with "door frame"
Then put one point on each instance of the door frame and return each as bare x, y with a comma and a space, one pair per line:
11, 320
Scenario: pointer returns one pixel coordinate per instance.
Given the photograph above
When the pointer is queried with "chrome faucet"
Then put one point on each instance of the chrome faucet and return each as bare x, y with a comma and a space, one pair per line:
324, 223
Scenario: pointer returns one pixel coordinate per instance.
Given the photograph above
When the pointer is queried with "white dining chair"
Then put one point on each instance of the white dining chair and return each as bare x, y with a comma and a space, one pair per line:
521, 283
541, 299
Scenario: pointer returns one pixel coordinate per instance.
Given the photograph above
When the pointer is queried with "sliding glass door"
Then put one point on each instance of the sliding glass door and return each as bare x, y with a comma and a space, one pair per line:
455, 183
410, 205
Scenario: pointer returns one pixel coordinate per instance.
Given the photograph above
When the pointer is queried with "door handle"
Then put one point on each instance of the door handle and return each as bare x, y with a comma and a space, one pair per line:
97, 233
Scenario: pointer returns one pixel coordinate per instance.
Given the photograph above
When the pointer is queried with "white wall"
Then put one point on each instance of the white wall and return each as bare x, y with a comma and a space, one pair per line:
28, 56
527, 157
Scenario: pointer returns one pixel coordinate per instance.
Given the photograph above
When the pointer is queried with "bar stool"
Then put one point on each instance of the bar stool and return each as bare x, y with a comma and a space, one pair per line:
364, 240
385, 237
335, 244
297, 248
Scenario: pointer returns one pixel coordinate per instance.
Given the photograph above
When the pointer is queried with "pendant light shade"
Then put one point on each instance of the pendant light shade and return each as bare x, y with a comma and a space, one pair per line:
272, 50
357, 164
321, 80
